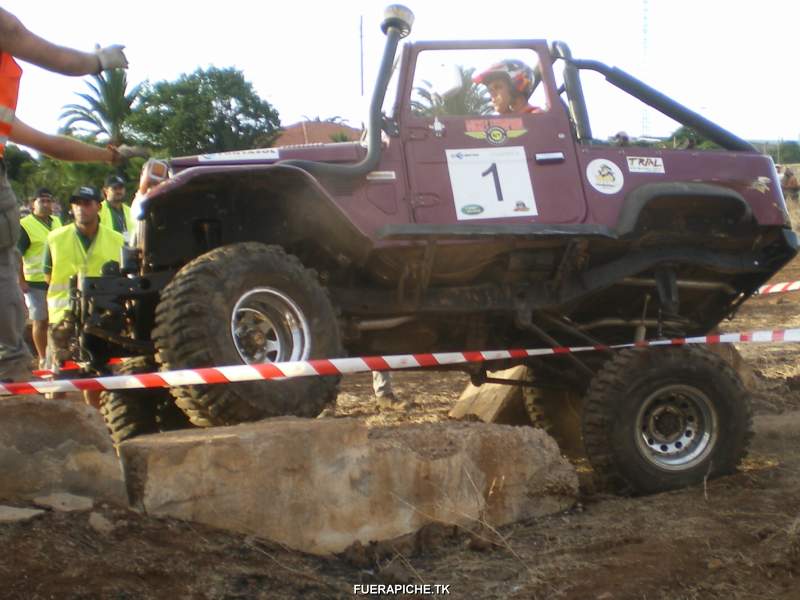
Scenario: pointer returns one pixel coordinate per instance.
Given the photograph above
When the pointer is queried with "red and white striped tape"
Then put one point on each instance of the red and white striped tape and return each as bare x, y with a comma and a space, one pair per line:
347, 366
69, 365
776, 288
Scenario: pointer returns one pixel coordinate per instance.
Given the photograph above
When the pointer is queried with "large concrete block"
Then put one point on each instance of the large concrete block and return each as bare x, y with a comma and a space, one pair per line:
321, 485
49, 446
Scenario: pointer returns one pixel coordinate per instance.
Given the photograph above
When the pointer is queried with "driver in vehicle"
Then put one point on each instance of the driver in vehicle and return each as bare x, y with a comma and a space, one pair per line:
510, 84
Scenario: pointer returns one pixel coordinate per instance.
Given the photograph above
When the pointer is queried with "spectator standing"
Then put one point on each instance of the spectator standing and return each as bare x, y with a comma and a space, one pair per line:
31, 245
81, 248
17, 42
790, 185
384, 394
114, 212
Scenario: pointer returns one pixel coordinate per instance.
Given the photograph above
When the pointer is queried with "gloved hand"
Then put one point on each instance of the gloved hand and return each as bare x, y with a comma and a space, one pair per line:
120, 154
111, 57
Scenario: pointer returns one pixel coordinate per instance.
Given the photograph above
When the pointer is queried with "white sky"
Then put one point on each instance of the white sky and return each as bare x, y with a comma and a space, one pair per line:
735, 62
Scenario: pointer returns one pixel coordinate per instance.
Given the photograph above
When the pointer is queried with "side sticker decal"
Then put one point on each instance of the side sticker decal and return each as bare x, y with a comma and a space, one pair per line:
494, 131
604, 176
645, 164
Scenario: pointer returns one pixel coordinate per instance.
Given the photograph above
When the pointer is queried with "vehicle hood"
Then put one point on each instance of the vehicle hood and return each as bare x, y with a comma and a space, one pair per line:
331, 153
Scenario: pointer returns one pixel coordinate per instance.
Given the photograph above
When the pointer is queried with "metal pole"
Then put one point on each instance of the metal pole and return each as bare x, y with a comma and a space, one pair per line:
361, 49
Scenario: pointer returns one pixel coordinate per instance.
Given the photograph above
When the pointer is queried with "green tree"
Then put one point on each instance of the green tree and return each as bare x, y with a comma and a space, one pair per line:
337, 120
212, 110
467, 98
340, 136
20, 166
106, 108
781, 151
687, 137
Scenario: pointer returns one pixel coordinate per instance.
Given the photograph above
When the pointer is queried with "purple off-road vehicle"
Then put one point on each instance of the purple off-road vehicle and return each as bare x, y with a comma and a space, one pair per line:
450, 228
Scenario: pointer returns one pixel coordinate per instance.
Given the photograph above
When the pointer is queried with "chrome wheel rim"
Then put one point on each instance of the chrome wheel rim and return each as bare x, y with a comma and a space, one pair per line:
677, 427
268, 326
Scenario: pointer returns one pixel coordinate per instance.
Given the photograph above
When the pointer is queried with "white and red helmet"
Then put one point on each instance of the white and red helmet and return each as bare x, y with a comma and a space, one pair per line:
516, 72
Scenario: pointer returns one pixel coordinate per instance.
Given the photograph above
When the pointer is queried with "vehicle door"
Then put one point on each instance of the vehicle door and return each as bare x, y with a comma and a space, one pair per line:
466, 162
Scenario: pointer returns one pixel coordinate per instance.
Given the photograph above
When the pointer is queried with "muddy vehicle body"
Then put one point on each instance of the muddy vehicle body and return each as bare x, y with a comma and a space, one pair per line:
444, 231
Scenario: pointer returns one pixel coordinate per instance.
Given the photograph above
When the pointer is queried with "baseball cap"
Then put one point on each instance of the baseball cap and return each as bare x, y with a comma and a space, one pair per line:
85, 192
43, 191
113, 180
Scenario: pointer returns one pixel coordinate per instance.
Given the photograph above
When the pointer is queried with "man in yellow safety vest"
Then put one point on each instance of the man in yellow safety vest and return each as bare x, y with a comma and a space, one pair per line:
31, 245
114, 212
82, 247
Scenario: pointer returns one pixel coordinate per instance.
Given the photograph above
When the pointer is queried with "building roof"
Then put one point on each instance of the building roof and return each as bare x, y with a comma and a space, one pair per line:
314, 132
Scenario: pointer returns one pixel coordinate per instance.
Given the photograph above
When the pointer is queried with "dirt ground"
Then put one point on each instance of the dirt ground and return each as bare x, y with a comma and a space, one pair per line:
735, 538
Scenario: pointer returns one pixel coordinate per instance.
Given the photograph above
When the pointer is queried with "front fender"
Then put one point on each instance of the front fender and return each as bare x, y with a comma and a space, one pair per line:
205, 207
728, 203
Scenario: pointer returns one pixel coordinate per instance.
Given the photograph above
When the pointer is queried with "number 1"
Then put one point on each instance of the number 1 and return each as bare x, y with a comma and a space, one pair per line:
496, 177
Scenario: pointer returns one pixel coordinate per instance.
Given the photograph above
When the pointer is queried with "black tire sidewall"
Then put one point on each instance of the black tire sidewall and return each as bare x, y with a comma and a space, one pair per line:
201, 298
655, 369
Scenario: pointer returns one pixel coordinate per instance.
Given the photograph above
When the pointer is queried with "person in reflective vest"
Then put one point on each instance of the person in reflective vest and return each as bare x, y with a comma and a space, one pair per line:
31, 245
114, 212
80, 248
17, 42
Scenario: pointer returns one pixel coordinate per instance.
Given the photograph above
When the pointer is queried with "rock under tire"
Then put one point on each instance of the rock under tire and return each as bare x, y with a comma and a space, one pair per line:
657, 419
193, 329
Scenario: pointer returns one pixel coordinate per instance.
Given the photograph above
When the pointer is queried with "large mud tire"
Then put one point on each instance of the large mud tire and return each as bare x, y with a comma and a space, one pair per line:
197, 325
558, 411
657, 419
129, 413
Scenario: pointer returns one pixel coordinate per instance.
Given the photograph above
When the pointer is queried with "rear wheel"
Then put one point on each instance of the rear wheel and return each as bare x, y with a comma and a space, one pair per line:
557, 410
657, 419
247, 303
129, 413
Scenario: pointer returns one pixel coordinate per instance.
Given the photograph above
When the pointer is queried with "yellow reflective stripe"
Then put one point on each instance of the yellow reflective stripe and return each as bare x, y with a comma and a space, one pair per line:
58, 287
6, 114
56, 303
33, 261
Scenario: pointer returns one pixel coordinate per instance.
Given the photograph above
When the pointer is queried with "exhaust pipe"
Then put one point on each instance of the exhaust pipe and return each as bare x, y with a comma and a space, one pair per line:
397, 21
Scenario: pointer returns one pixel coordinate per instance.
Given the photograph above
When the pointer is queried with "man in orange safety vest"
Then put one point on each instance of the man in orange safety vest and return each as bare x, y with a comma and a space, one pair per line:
17, 42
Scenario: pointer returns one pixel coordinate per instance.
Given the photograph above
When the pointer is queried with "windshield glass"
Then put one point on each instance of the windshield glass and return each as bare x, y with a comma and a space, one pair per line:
445, 80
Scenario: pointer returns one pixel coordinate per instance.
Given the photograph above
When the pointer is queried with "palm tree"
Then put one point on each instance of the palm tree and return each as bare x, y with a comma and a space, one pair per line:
466, 99
106, 108
337, 120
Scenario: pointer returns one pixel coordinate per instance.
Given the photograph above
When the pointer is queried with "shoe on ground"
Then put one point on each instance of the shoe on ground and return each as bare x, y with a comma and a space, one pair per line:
15, 373
327, 412
391, 402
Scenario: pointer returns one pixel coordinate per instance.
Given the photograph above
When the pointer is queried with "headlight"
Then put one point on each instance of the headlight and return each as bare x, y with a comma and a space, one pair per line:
155, 171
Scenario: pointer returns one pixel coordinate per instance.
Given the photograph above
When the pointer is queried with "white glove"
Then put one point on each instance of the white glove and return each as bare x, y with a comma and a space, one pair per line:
111, 57
121, 154
127, 152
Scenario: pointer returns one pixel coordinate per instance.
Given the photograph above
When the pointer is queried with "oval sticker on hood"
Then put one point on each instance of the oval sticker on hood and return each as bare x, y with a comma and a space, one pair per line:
472, 209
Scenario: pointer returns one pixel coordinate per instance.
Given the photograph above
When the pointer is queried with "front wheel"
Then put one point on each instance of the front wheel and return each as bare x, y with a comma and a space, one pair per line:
244, 304
656, 419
